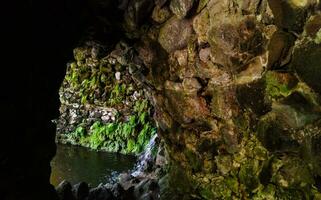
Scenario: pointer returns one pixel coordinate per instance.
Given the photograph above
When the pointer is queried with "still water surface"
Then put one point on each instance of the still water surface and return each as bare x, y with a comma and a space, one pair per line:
77, 164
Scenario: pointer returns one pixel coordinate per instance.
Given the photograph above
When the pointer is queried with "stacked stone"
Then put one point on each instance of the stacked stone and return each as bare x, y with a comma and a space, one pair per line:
92, 89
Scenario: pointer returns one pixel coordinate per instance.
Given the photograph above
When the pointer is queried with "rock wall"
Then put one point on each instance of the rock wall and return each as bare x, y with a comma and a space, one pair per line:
236, 91
235, 86
102, 106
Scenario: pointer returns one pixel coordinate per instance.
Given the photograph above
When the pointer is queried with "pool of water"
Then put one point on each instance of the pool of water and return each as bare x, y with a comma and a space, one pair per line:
77, 164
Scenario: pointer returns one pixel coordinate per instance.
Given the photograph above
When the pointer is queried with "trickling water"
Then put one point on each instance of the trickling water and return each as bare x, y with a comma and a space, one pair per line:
145, 158
75, 164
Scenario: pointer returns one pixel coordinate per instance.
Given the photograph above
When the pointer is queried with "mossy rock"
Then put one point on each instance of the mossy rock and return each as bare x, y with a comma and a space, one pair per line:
249, 175
291, 172
236, 41
201, 25
81, 53
279, 49
161, 14
224, 164
317, 39
195, 163
279, 85
175, 34
252, 97
181, 7
307, 64
276, 129
175, 185
290, 14
313, 28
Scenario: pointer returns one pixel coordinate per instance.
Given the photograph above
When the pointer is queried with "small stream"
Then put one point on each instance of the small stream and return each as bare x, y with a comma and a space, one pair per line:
77, 164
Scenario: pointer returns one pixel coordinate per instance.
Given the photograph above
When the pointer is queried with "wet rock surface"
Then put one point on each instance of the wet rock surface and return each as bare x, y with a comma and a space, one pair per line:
142, 182
103, 107
237, 97
236, 92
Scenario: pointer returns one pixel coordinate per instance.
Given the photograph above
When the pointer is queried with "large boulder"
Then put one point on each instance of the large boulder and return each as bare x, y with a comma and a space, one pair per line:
175, 34
181, 7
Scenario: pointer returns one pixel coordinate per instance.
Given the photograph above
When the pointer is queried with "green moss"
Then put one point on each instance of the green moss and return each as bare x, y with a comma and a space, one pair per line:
117, 94
291, 172
194, 162
317, 39
233, 184
125, 137
221, 190
90, 81
251, 173
275, 87
316, 193
179, 185
207, 193
266, 193
224, 164
201, 5
80, 54
129, 137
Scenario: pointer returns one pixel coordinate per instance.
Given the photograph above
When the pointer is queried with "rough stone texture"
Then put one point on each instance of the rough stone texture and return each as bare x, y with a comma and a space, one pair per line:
238, 99
181, 7
308, 54
80, 191
175, 33
161, 14
236, 90
100, 193
64, 191
103, 104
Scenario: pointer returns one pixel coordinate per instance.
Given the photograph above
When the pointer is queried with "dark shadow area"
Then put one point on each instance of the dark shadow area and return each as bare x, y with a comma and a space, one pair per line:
37, 41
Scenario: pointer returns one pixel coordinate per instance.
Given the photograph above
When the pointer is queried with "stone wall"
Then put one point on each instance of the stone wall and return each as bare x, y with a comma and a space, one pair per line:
102, 106
235, 86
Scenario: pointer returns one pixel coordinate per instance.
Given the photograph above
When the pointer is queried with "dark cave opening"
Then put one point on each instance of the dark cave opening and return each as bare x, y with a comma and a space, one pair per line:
42, 34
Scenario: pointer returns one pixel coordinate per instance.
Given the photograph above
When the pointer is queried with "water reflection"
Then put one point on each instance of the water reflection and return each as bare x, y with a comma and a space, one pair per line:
77, 164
